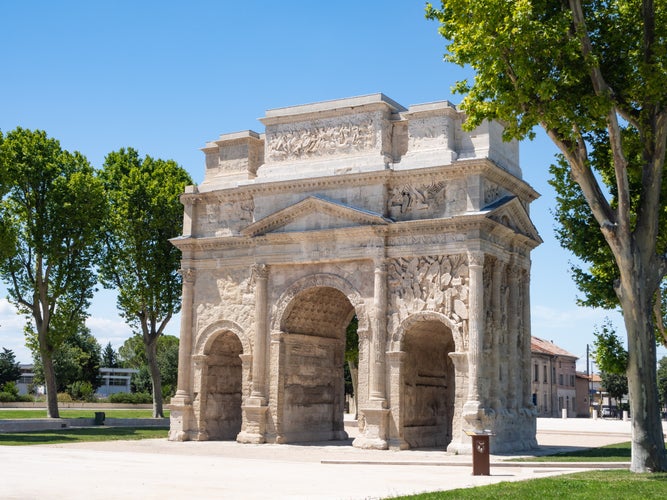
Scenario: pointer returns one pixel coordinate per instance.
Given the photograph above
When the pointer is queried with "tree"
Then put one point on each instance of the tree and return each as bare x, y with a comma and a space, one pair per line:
593, 75
139, 260
662, 381
132, 354
352, 357
50, 218
609, 353
9, 367
615, 384
76, 360
109, 357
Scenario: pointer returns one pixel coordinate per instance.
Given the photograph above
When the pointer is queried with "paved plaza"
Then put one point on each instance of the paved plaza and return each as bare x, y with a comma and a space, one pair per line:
222, 469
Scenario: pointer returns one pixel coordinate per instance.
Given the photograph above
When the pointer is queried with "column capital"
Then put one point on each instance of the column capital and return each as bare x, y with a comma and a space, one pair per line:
260, 271
476, 258
189, 275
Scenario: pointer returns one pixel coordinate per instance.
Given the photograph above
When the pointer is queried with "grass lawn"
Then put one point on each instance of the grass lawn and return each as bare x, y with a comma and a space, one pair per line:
593, 485
620, 452
88, 413
81, 435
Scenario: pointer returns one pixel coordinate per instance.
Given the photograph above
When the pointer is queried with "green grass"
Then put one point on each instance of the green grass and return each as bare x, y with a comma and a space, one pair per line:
593, 485
90, 413
81, 435
620, 452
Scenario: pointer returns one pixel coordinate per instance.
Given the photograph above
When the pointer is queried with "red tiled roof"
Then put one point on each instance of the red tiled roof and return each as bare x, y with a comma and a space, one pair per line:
542, 346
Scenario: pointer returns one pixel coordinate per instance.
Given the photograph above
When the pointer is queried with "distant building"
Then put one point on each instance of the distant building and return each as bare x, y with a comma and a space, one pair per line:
553, 379
113, 380
588, 394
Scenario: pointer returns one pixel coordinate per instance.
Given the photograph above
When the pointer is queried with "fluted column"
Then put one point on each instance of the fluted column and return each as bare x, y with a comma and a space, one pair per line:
378, 384
494, 377
258, 394
476, 322
525, 372
183, 388
513, 358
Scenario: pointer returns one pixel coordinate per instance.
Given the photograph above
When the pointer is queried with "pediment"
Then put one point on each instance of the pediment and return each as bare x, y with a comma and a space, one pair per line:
509, 212
314, 213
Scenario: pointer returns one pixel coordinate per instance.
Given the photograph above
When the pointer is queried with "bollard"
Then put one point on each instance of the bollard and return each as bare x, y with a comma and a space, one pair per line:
563, 413
625, 416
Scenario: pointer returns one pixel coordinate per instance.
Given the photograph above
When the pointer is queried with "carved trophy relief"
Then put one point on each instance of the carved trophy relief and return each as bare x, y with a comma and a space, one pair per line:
322, 141
492, 192
406, 199
428, 284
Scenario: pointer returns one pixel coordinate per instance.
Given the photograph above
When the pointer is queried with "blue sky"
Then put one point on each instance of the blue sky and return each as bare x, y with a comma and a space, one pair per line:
165, 77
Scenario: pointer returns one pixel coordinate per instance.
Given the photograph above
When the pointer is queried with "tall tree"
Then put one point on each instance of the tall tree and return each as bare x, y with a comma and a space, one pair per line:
77, 360
109, 357
592, 74
9, 368
616, 385
51, 214
139, 261
132, 354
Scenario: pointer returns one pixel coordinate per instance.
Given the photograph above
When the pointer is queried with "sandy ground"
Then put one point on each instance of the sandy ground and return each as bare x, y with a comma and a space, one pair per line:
160, 469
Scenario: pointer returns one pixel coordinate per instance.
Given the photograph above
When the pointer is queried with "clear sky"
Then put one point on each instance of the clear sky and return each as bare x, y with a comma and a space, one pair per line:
164, 77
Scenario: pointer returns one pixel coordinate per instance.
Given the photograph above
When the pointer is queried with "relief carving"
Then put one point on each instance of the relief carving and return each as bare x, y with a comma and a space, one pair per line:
230, 297
405, 199
321, 141
491, 192
437, 284
429, 133
226, 218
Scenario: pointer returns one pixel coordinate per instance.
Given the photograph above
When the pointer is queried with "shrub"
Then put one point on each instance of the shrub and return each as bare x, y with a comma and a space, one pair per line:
11, 388
81, 390
6, 397
131, 398
63, 397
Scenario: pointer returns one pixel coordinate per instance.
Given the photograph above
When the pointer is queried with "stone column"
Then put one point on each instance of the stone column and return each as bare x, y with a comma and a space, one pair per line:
255, 407
183, 395
200, 387
258, 394
379, 331
181, 404
472, 410
526, 354
494, 362
513, 356
395, 362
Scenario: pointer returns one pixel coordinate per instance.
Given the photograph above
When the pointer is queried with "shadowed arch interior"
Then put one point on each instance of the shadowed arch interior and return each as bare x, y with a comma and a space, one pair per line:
428, 385
312, 365
223, 385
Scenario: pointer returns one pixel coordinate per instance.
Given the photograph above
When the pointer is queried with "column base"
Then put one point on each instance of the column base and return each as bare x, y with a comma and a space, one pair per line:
254, 425
373, 432
181, 419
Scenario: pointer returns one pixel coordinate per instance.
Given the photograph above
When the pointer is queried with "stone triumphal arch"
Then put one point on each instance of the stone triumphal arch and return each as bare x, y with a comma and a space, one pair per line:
359, 208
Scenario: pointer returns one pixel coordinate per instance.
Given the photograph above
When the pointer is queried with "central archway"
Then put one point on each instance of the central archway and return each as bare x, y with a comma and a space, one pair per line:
312, 381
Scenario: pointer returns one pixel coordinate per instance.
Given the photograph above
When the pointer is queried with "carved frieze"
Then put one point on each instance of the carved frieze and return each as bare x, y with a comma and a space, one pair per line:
430, 133
329, 139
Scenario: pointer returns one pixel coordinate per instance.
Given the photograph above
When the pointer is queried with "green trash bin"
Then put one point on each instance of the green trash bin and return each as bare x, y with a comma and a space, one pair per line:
99, 418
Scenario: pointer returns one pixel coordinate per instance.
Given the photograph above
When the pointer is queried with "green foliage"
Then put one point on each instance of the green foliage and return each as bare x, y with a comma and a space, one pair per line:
9, 367
139, 260
89, 434
77, 360
132, 354
615, 384
352, 341
10, 388
9, 393
109, 357
609, 353
51, 214
131, 398
64, 397
81, 390
662, 380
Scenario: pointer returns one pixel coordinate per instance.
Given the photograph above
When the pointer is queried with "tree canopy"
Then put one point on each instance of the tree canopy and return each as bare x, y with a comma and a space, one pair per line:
592, 74
9, 367
138, 259
50, 215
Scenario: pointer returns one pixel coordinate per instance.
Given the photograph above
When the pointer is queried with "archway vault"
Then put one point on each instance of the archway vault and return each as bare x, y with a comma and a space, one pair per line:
206, 338
398, 337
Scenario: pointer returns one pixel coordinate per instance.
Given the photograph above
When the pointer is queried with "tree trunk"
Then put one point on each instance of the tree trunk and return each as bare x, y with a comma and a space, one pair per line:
648, 442
156, 380
50, 384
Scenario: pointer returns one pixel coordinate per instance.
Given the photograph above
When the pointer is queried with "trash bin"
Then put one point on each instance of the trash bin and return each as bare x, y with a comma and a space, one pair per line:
480, 453
99, 418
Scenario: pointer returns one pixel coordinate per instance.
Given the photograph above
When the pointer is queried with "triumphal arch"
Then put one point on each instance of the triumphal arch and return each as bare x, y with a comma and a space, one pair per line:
361, 208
